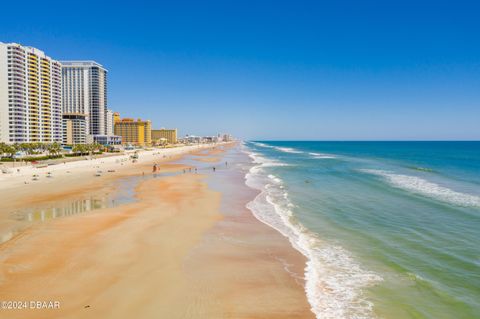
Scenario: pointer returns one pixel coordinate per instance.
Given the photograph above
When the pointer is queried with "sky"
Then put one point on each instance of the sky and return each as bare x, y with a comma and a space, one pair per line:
274, 70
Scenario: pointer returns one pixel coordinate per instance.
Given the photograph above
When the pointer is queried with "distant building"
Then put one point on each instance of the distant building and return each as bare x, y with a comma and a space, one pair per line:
116, 117
74, 128
30, 95
227, 138
85, 91
167, 135
134, 132
109, 122
193, 139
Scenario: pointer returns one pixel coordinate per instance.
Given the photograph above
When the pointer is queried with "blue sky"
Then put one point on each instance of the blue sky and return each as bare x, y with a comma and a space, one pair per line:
321, 70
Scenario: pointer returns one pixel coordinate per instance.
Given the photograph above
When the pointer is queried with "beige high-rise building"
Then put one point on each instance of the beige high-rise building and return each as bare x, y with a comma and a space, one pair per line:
109, 123
134, 132
164, 135
30, 95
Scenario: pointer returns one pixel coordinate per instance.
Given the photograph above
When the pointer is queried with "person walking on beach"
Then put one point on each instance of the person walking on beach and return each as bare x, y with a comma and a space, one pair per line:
214, 168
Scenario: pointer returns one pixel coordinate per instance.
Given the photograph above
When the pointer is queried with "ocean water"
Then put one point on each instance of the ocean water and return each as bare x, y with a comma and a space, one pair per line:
389, 229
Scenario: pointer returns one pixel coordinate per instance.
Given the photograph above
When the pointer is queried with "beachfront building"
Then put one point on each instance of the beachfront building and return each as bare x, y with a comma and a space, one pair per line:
163, 135
30, 95
105, 140
134, 132
74, 128
85, 92
109, 123
227, 138
192, 139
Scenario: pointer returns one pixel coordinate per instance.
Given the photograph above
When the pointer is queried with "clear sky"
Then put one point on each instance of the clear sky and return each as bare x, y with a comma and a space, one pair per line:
326, 70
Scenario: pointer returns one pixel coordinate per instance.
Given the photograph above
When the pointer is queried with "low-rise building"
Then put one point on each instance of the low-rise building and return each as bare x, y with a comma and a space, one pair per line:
105, 140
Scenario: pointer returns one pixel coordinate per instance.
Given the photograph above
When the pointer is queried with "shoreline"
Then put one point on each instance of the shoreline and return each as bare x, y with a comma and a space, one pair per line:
183, 239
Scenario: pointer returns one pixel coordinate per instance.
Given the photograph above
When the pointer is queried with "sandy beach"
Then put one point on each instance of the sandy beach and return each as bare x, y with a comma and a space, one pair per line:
185, 247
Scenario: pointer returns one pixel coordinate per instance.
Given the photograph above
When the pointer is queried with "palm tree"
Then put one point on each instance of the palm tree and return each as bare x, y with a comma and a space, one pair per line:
10, 150
80, 149
54, 149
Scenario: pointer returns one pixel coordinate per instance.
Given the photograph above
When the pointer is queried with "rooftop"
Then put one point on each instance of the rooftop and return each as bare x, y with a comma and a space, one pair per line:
85, 63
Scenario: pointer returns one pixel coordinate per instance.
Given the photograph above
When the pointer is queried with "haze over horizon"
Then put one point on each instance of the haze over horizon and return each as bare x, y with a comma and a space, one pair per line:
264, 70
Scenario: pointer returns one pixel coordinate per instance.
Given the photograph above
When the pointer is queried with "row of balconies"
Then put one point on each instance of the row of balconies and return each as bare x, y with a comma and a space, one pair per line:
16, 59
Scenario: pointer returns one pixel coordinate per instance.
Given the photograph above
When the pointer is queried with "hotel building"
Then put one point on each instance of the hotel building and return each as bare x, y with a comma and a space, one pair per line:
134, 132
30, 95
85, 92
164, 135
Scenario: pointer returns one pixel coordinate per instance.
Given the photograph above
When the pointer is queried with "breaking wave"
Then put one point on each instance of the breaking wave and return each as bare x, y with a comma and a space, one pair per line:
421, 186
334, 282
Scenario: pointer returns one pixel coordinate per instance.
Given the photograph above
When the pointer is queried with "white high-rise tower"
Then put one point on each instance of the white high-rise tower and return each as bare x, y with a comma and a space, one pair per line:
85, 92
30, 95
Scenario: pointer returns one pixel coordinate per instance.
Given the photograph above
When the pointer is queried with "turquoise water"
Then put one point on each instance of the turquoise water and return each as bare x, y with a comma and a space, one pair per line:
390, 229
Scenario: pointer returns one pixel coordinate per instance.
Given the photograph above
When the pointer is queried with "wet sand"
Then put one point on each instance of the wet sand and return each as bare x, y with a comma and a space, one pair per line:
182, 250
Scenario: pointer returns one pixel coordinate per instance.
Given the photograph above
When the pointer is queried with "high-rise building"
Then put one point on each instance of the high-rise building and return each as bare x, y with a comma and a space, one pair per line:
164, 135
134, 132
30, 95
74, 128
85, 92
109, 123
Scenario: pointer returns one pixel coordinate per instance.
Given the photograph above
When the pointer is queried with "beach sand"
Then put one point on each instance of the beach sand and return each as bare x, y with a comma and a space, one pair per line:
181, 250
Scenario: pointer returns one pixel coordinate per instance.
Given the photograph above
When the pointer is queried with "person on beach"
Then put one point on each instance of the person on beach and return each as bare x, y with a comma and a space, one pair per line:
214, 168
154, 168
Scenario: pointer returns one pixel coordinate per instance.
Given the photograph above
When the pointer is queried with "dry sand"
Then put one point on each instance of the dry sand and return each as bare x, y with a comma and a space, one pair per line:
171, 254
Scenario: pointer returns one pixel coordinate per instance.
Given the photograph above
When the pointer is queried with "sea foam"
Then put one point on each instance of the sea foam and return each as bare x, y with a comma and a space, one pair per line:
261, 144
322, 155
333, 280
423, 187
288, 150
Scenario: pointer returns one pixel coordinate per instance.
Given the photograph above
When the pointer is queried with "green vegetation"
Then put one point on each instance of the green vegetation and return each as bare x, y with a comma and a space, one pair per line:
31, 159
85, 149
53, 151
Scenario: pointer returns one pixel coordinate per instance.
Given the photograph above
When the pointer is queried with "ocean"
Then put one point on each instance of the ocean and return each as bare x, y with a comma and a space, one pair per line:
389, 229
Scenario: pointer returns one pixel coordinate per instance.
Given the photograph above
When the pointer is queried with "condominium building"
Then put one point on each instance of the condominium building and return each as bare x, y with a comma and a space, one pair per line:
109, 123
85, 92
74, 128
30, 95
164, 135
134, 132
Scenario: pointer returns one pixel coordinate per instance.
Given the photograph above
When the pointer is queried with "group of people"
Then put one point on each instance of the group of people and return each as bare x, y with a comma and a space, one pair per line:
156, 168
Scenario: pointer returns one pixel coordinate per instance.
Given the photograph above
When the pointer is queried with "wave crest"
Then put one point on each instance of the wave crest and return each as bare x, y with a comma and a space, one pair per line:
423, 187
